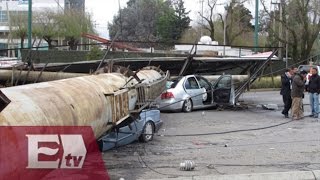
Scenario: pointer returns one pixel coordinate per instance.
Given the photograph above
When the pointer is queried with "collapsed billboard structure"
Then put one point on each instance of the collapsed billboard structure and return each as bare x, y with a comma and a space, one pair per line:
100, 101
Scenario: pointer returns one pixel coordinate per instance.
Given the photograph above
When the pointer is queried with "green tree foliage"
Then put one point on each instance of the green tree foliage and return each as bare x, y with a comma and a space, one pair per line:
237, 21
50, 25
182, 18
172, 22
136, 22
300, 19
165, 26
72, 25
150, 20
95, 53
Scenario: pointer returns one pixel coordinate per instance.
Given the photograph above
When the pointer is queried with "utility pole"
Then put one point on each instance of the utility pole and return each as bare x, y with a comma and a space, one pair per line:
280, 30
30, 25
256, 27
280, 55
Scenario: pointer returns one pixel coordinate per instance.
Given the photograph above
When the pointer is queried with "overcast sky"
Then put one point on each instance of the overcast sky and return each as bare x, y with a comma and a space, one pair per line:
104, 10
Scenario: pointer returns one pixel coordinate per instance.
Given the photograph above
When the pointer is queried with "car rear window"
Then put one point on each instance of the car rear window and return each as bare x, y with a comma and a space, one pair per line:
306, 68
174, 83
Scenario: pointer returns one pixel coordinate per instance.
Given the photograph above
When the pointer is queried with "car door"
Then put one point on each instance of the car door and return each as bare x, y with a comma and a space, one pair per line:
224, 90
123, 134
193, 89
139, 123
127, 134
207, 86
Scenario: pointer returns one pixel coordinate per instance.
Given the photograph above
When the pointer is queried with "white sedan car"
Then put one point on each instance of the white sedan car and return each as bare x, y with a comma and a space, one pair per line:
195, 92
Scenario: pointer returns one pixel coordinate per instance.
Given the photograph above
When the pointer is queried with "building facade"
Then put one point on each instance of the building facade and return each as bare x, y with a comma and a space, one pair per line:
10, 7
78, 5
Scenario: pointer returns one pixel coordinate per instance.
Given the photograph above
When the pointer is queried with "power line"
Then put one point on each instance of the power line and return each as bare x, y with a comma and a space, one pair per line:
225, 132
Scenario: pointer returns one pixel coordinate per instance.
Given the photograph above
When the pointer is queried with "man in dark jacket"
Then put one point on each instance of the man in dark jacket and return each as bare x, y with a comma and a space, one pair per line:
286, 81
314, 90
297, 94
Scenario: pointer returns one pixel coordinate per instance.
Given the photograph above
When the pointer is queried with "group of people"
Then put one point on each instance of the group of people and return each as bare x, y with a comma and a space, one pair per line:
294, 84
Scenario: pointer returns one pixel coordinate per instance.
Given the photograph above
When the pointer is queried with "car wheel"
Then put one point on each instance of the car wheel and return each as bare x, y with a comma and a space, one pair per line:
147, 133
187, 106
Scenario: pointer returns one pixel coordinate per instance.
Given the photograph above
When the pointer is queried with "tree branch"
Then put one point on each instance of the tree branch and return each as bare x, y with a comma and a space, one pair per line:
204, 17
222, 20
282, 22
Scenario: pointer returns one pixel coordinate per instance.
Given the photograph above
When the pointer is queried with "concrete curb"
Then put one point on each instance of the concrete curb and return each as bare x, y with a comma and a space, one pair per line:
292, 175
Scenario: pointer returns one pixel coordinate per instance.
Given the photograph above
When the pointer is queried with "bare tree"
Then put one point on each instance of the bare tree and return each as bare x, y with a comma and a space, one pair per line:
20, 26
47, 26
210, 20
72, 25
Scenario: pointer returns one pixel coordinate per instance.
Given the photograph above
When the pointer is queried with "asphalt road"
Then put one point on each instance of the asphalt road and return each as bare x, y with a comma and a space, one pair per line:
289, 147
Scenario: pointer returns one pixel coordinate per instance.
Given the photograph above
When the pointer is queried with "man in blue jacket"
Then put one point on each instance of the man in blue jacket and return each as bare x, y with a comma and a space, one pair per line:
314, 90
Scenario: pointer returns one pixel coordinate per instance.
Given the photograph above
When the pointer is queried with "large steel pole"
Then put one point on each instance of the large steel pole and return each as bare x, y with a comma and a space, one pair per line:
30, 25
80, 101
256, 27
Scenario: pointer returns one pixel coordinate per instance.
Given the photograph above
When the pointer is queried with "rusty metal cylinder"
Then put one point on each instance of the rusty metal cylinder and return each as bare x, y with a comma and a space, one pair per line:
32, 76
79, 101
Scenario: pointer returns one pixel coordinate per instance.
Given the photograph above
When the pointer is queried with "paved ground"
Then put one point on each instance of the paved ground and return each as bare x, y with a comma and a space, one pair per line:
289, 147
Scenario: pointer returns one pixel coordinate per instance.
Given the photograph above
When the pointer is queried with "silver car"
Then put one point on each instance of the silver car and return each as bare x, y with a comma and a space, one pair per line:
195, 92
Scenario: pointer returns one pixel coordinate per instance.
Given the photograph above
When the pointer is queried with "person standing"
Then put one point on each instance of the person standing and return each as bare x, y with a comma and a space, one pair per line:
297, 94
286, 91
314, 90
294, 70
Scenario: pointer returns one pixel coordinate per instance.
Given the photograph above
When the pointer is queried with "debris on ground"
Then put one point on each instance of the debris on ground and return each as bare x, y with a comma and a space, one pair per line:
187, 165
270, 106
